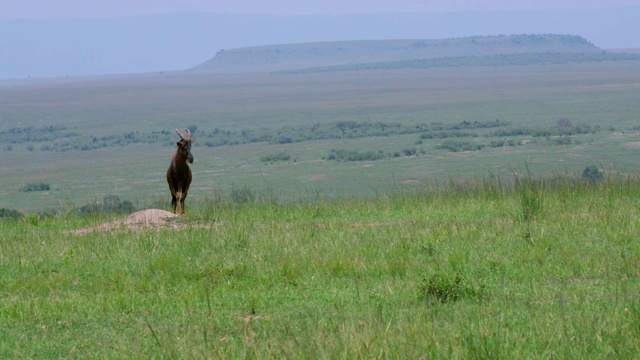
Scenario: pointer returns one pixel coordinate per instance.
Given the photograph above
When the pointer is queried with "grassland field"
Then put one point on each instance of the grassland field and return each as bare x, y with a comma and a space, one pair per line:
534, 270
440, 255
602, 96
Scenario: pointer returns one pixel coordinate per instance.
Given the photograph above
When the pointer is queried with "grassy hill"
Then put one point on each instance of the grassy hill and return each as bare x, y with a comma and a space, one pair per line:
297, 56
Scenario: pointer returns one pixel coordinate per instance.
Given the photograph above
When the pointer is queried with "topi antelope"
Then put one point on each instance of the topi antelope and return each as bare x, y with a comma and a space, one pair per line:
179, 173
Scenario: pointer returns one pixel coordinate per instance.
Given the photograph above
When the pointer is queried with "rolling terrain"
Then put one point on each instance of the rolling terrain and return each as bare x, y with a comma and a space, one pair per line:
330, 135
421, 212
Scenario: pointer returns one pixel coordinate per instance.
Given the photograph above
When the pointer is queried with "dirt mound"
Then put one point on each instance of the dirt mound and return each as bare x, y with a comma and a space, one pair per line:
145, 219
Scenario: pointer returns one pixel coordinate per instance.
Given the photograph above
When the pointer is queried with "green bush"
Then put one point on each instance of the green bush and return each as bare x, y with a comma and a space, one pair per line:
592, 174
410, 151
458, 146
354, 155
562, 140
281, 156
502, 142
41, 186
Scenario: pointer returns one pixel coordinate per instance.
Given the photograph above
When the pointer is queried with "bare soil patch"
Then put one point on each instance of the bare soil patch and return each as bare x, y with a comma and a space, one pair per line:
145, 219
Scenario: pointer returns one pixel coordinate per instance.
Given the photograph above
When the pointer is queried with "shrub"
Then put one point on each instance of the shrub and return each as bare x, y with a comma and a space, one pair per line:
562, 140
591, 174
41, 186
281, 156
564, 123
457, 146
501, 143
446, 134
410, 151
353, 155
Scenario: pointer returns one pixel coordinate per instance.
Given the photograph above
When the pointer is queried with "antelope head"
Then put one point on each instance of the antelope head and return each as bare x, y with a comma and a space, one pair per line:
184, 145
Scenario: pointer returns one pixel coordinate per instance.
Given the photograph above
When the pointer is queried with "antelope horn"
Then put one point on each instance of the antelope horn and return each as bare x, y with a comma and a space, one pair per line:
188, 134
179, 133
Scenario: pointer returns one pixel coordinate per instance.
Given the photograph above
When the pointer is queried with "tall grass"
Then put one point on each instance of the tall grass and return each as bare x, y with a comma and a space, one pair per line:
433, 274
531, 197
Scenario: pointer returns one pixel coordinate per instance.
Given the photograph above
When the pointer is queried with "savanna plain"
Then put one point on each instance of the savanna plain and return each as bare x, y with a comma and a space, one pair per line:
439, 213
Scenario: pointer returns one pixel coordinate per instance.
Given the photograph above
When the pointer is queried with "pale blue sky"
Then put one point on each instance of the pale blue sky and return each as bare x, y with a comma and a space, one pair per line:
109, 8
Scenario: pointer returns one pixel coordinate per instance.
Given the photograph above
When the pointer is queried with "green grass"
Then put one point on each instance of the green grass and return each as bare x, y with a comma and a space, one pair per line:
403, 257
604, 95
456, 273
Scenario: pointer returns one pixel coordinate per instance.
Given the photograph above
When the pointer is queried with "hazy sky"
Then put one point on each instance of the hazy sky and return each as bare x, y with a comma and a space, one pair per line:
79, 37
108, 8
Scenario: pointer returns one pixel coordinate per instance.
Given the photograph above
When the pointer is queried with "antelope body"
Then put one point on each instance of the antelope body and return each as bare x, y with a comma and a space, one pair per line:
179, 174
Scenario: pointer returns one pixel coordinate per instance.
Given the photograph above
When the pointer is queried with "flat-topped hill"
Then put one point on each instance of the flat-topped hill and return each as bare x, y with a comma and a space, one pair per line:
310, 55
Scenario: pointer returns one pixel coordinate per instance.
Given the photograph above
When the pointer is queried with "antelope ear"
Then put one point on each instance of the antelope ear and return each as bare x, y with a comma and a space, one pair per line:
193, 140
178, 143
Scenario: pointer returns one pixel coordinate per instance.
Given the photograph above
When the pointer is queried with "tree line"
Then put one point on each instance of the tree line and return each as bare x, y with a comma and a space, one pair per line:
61, 139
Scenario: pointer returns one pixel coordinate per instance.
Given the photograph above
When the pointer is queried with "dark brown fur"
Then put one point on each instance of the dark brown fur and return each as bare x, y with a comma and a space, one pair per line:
179, 174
